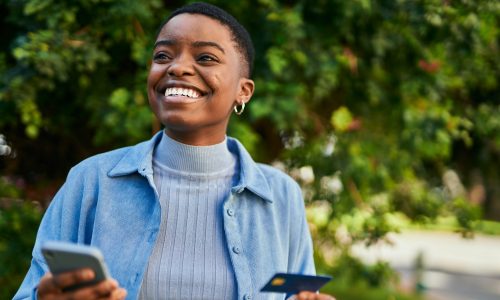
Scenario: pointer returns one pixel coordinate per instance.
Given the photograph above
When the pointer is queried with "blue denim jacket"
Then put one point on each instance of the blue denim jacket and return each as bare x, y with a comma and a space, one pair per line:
110, 201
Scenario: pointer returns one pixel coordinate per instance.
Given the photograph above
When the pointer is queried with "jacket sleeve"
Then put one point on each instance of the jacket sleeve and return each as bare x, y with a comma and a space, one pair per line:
60, 222
301, 256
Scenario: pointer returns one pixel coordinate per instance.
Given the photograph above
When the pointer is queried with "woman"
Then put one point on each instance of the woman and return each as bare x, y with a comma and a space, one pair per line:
188, 214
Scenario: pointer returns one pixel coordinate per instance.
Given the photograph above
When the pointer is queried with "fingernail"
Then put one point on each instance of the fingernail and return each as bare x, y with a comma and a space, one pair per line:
87, 274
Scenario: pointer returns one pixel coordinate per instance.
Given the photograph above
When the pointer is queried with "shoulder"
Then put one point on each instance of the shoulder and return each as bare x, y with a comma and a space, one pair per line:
275, 175
286, 192
126, 158
264, 180
103, 161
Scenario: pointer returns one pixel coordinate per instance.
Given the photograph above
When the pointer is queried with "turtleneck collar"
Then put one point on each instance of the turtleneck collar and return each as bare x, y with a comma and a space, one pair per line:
193, 159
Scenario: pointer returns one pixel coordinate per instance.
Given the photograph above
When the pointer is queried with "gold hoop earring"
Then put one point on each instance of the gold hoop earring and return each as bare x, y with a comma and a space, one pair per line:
240, 111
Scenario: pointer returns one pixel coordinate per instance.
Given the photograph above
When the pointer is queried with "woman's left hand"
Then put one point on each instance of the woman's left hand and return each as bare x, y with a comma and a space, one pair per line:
312, 296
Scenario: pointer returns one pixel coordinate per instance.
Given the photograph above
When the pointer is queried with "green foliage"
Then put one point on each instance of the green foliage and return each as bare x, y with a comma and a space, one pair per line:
355, 280
353, 270
436, 129
343, 290
121, 121
465, 215
9, 190
416, 201
487, 123
341, 119
19, 221
246, 135
489, 227
69, 57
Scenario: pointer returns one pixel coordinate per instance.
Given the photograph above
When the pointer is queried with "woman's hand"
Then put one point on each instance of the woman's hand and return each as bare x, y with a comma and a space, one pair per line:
312, 296
51, 287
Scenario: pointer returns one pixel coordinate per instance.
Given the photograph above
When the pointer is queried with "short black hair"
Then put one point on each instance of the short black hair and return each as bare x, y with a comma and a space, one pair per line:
240, 35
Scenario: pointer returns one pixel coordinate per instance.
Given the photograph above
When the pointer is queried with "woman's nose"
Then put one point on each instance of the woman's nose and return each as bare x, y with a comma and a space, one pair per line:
180, 67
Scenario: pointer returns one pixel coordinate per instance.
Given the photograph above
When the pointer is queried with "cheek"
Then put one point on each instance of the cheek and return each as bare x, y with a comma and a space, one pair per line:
155, 73
152, 79
225, 86
215, 82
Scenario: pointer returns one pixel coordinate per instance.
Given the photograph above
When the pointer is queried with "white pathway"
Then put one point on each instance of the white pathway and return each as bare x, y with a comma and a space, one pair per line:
454, 267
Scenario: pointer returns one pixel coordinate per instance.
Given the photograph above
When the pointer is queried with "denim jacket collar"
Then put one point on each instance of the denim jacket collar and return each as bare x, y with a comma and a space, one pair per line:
140, 159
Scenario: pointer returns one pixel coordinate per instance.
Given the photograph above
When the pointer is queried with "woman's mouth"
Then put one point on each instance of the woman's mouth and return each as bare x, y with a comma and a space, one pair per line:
190, 93
181, 95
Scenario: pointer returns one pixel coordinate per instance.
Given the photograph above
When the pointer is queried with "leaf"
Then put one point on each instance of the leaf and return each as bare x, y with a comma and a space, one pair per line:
341, 119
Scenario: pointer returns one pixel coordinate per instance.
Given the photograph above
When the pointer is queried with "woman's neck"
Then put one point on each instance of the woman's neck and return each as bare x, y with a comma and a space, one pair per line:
192, 158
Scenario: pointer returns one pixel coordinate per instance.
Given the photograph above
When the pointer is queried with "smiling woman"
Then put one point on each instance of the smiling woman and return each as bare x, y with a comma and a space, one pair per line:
196, 53
187, 214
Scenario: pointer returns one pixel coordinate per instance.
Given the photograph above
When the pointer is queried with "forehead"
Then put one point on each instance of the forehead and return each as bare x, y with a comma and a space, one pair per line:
195, 27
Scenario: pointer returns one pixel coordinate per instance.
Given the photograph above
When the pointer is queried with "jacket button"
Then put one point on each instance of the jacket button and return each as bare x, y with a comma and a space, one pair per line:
247, 297
230, 212
236, 250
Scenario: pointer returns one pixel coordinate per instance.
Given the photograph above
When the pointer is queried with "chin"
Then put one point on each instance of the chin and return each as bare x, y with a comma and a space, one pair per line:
178, 122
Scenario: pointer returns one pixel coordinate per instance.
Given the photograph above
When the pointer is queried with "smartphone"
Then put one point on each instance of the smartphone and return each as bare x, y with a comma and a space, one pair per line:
64, 257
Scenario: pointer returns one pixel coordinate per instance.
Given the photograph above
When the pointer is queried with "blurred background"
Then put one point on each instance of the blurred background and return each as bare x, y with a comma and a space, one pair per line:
386, 112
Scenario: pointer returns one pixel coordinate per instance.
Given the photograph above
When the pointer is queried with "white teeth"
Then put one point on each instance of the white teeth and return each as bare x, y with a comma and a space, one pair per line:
181, 92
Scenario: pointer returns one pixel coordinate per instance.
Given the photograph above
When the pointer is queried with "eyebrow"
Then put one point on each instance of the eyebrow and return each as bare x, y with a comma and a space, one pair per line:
197, 44
200, 44
163, 43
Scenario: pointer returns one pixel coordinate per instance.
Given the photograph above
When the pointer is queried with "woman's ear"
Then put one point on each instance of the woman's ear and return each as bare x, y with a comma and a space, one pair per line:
245, 91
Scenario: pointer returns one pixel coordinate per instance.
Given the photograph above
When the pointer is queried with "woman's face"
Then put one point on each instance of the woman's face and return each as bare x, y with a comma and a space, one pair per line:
196, 79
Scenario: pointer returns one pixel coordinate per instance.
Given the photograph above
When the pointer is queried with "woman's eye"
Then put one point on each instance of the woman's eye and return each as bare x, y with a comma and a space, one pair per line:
160, 56
206, 58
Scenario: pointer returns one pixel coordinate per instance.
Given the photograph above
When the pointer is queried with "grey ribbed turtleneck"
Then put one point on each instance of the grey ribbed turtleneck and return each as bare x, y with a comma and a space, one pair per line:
190, 259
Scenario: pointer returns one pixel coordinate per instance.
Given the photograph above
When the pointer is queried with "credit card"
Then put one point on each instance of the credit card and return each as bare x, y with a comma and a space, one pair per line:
294, 283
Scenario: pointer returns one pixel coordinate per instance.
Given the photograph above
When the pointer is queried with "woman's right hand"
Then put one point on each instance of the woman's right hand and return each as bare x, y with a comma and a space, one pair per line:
51, 287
